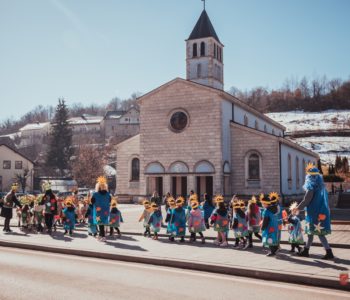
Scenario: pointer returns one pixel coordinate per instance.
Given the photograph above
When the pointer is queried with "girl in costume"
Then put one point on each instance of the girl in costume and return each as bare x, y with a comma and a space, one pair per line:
178, 220
26, 213
39, 213
274, 197
253, 218
171, 206
220, 220
91, 216
294, 228
115, 218
7, 204
155, 220
101, 200
196, 221
50, 201
269, 225
208, 208
68, 216
239, 223
317, 213
146, 215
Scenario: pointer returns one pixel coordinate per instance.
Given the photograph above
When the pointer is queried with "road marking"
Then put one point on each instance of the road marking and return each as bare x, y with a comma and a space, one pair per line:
194, 273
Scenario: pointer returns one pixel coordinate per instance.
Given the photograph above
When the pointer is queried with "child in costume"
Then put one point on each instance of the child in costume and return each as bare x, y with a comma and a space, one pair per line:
7, 204
196, 221
178, 220
317, 213
253, 215
208, 208
155, 220
220, 220
50, 201
91, 216
274, 197
294, 228
39, 214
115, 218
269, 225
68, 216
146, 215
101, 200
239, 223
171, 206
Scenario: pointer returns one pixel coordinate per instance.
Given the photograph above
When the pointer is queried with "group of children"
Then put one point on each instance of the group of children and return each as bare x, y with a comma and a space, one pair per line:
244, 222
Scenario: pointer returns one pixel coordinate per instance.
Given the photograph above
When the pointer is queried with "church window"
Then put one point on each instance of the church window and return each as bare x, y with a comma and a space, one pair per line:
265, 128
199, 71
135, 169
178, 121
289, 171
245, 120
215, 51
297, 177
195, 50
256, 124
303, 168
220, 54
273, 131
254, 167
202, 49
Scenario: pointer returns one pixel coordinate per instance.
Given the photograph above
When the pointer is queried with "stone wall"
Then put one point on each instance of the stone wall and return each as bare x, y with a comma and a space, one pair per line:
243, 140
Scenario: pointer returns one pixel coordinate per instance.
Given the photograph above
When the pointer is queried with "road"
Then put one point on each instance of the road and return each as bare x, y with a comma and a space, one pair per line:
28, 274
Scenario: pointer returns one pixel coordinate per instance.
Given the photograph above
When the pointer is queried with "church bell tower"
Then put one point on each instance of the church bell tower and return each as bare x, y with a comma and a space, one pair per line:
204, 54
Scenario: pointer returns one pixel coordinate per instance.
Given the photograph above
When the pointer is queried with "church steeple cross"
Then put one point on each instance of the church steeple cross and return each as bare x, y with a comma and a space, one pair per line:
203, 4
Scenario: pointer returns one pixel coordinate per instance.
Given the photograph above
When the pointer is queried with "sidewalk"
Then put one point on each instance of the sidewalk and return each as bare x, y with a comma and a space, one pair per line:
208, 257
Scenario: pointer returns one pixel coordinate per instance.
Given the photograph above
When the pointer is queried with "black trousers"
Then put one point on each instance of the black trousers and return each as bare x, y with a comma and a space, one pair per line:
49, 221
295, 246
193, 235
112, 230
101, 230
250, 238
7, 223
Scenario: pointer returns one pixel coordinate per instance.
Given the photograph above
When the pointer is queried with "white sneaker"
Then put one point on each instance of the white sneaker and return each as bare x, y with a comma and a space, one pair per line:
216, 242
224, 244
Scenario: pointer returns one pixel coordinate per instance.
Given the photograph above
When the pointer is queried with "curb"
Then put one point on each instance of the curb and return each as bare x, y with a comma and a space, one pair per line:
190, 265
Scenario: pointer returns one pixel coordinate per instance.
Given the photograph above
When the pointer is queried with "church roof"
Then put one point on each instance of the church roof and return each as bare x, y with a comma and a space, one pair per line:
204, 28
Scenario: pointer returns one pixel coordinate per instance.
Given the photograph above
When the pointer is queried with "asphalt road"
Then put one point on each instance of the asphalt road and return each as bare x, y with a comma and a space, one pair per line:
37, 275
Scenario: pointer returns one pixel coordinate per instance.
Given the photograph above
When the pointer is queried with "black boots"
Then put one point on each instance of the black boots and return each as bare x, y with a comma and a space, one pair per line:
329, 254
304, 253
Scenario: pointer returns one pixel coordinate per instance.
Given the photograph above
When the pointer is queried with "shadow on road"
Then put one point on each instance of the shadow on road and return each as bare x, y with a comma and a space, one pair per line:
125, 246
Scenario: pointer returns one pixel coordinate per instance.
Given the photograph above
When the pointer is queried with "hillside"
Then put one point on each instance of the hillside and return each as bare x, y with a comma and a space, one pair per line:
327, 132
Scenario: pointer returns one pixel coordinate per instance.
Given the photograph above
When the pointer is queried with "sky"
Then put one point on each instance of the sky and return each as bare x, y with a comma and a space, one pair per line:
90, 51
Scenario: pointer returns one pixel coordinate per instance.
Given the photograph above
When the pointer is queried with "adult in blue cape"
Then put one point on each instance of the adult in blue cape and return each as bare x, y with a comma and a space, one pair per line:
317, 213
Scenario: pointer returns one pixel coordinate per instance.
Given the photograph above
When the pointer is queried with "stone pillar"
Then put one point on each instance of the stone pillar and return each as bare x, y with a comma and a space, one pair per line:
166, 184
191, 183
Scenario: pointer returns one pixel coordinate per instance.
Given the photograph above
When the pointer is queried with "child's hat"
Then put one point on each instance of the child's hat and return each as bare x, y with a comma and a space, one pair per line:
154, 205
311, 169
68, 201
14, 186
253, 200
145, 202
293, 206
194, 197
194, 203
219, 199
236, 204
171, 199
180, 200
274, 197
241, 204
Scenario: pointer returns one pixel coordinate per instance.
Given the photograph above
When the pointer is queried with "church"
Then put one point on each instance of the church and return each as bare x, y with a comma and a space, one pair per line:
195, 136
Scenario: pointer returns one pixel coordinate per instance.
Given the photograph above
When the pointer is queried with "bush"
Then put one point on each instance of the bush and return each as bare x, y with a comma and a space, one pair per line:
332, 178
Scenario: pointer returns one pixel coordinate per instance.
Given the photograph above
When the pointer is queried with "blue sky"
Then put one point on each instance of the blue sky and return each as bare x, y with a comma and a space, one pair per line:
90, 51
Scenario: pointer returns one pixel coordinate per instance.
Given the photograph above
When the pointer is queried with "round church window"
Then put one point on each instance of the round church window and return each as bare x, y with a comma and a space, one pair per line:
178, 121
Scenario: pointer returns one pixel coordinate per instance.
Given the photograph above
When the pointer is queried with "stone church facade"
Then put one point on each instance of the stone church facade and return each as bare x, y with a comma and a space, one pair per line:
195, 136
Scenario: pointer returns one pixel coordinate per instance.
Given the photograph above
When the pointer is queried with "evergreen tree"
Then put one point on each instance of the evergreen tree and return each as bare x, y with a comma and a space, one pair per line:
60, 140
338, 163
319, 166
345, 165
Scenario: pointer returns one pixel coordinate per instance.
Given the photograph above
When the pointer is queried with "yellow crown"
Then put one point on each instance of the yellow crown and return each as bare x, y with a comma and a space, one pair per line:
219, 199
180, 199
194, 197
236, 203
154, 205
171, 199
14, 186
114, 203
241, 203
253, 200
68, 201
311, 169
101, 180
145, 202
274, 197
293, 206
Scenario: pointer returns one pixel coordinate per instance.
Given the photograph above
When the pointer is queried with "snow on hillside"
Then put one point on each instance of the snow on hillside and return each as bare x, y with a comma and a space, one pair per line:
299, 120
326, 146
